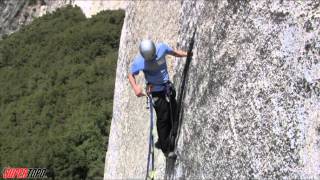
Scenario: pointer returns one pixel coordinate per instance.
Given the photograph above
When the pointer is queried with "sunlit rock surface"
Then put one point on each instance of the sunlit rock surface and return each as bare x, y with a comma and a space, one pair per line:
251, 107
92, 7
128, 141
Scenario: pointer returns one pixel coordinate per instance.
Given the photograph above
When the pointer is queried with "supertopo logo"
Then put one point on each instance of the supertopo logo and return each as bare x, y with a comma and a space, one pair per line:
23, 173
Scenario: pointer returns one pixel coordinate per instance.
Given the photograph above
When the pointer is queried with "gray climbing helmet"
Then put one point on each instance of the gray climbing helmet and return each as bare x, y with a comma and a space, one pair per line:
147, 49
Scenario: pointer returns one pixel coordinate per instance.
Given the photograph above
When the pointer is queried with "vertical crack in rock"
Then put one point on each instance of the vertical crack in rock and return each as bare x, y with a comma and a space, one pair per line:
249, 110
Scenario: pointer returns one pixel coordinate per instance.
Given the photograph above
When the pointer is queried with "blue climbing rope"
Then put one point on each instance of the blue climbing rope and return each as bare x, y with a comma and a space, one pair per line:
151, 143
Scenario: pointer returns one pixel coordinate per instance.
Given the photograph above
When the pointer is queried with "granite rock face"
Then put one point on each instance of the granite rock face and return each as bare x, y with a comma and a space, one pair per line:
128, 141
11, 16
251, 107
16, 13
92, 7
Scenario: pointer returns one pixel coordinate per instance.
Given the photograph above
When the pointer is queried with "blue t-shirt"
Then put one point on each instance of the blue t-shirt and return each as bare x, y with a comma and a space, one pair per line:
155, 71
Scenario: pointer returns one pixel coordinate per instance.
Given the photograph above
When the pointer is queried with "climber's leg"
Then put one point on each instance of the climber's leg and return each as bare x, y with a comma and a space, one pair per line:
174, 121
163, 122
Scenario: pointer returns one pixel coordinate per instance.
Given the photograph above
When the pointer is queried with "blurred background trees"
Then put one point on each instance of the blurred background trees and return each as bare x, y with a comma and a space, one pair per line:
56, 91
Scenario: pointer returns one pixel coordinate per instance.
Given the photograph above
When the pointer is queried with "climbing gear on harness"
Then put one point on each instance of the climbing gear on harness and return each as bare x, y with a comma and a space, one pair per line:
170, 93
147, 49
168, 90
150, 174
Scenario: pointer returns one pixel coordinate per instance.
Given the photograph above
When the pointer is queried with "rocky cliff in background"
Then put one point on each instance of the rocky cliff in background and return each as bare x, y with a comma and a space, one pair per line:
16, 13
251, 107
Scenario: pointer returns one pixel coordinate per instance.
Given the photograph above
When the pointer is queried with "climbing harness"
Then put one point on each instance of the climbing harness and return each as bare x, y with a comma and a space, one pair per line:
150, 173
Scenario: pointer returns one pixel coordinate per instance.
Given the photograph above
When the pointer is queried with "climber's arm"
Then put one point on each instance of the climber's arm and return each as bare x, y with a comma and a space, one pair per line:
180, 53
136, 88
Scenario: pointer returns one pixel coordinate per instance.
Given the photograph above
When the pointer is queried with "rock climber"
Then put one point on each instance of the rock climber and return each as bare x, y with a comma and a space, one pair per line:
152, 61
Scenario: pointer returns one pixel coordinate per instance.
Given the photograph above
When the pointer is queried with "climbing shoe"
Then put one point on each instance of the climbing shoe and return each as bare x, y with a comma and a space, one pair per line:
172, 155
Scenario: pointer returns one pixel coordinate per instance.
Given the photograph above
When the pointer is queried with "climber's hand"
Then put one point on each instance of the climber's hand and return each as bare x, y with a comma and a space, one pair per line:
189, 54
138, 91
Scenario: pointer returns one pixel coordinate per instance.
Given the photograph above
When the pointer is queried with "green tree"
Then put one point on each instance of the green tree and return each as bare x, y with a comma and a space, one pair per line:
56, 80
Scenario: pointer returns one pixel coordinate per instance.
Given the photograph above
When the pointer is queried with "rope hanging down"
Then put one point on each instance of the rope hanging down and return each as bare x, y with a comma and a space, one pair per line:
150, 174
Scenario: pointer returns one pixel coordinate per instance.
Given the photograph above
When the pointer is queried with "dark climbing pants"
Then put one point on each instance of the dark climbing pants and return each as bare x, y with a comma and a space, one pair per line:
166, 127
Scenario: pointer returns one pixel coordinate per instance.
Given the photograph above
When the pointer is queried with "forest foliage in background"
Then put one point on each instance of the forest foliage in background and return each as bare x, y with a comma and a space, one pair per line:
56, 91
